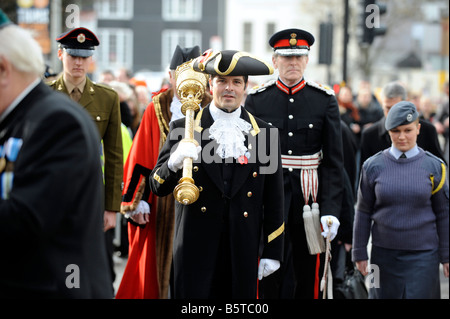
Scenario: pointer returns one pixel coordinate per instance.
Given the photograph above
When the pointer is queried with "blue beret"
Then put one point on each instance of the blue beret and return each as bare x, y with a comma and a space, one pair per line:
401, 113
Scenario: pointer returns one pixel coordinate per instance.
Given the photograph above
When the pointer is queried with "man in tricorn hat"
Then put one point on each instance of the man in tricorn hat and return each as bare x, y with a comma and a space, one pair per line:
217, 237
75, 51
138, 202
307, 116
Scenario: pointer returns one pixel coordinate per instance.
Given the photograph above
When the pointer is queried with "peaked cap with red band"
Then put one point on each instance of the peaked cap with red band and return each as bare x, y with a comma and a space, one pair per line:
79, 42
291, 42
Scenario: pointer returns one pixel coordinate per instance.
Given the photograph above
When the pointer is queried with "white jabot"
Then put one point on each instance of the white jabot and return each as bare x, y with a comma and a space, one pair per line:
228, 130
175, 108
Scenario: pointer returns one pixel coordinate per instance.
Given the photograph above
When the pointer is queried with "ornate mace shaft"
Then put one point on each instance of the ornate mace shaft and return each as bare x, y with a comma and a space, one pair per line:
190, 86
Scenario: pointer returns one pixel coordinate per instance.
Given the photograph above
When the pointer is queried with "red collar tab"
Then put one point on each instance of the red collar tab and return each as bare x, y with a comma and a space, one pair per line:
291, 90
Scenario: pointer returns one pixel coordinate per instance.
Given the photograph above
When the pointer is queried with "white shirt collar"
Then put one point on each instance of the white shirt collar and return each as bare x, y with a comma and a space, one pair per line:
19, 98
397, 153
217, 113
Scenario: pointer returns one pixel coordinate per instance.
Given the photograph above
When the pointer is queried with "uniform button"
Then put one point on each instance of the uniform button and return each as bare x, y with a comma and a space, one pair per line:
200, 188
195, 168
255, 174
311, 125
289, 152
245, 214
98, 118
203, 209
291, 116
291, 100
291, 134
290, 169
269, 123
249, 194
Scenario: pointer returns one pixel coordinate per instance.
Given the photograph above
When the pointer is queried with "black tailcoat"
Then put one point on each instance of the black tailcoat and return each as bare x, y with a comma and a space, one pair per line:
249, 209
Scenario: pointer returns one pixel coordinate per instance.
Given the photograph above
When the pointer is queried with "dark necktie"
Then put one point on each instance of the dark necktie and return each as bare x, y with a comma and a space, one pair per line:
403, 155
76, 94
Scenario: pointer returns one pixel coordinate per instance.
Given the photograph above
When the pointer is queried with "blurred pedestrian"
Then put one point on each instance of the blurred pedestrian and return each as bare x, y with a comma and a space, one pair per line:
147, 273
368, 108
217, 238
75, 51
307, 116
403, 205
106, 77
51, 209
441, 122
376, 138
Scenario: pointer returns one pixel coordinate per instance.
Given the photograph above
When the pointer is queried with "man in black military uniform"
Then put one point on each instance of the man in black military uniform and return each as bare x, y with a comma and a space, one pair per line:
75, 51
307, 117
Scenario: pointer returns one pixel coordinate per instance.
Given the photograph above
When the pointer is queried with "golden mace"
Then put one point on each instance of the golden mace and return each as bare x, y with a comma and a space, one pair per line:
190, 86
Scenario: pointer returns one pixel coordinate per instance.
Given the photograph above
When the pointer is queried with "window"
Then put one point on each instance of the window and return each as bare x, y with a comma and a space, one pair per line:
182, 10
184, 38
115, 49
247, 45
270, 32
114, 9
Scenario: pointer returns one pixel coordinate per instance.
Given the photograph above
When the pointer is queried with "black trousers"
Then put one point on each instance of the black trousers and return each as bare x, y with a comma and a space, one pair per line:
300, 272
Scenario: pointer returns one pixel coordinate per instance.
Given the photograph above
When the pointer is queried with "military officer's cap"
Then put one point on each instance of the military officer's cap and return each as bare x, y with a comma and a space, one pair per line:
231, 63
78, 42
181, 55
291, 42
402, 113
4, 20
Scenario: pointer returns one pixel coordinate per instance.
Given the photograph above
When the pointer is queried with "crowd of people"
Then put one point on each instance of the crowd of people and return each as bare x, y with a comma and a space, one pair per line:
284, 171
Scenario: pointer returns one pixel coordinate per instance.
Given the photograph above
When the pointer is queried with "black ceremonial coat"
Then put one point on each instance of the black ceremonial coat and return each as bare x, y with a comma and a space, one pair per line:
252, 208
308, 121
51, 207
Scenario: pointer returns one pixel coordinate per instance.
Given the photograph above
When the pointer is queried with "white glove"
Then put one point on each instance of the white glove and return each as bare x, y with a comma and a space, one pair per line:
267, 267
141, 214
333, 229
183, 150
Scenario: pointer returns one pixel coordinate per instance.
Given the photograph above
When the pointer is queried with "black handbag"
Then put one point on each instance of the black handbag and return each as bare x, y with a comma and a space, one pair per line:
352, 285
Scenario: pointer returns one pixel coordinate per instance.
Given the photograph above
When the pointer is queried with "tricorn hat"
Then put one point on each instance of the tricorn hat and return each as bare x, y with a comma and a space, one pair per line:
291, 42
231, 62
181, 55
78, 42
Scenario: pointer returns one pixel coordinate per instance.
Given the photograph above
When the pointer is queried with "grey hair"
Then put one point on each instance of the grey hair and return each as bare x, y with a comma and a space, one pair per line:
393, 90
23, 52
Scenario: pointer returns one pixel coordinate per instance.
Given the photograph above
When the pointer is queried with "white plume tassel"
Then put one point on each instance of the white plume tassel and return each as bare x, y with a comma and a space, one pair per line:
311, 231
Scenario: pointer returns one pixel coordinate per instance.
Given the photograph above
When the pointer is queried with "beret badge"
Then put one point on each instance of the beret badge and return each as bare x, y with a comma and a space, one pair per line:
409, 117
